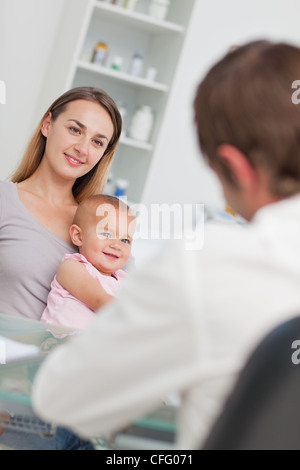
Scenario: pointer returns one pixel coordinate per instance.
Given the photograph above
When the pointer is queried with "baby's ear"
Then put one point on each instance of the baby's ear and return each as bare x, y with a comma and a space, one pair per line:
75, 234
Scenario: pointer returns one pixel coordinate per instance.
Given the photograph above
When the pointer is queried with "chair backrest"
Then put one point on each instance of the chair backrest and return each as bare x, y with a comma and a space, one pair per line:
263, 409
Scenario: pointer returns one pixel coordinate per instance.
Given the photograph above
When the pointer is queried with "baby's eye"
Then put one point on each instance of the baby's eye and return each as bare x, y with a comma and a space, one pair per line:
126, 241
105, 235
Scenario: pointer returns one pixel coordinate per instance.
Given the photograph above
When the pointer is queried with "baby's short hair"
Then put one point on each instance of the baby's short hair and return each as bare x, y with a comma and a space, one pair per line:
87, 208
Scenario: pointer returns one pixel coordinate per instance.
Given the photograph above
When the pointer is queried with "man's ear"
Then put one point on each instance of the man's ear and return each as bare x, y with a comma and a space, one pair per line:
244, 173
46, 124
75, 234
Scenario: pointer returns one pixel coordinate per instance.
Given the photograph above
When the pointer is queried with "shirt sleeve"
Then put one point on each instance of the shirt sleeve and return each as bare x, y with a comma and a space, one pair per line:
140, 348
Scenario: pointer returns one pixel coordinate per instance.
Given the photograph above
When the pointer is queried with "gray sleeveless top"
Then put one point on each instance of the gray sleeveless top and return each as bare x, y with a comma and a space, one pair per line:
29, 257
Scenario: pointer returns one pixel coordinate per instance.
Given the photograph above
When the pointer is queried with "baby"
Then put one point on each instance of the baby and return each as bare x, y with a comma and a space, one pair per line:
103, 229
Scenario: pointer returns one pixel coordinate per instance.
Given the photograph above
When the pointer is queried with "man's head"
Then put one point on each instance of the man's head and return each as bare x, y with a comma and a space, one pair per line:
248, 126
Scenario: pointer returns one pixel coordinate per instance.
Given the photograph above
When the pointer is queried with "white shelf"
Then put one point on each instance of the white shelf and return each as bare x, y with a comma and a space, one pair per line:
136, 19
125, 32
135, 143
118, 75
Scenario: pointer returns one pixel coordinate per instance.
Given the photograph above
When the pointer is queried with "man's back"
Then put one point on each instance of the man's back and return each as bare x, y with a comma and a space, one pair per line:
187, 322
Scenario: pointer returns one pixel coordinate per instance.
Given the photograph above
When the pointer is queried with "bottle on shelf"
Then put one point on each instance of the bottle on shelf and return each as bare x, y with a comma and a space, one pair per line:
151, 74
141, 124
159, 9
121, 187
130, 4
100, 53
136, 65
117, 63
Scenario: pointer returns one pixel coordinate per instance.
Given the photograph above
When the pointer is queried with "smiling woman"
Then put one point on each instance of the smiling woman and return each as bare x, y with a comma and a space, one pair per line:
94, 181
78, 138
67, 159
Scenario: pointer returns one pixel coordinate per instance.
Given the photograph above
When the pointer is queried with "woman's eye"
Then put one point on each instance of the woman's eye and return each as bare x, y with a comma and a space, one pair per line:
99, 143
75, 130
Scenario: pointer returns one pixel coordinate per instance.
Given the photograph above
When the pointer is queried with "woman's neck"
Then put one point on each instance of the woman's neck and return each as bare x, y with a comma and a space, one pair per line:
50, 188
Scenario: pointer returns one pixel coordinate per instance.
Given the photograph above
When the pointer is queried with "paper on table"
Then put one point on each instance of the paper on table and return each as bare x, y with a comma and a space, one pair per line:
11, 350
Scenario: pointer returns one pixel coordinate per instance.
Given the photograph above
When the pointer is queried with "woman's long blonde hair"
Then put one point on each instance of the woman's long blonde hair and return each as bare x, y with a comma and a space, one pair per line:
95, 180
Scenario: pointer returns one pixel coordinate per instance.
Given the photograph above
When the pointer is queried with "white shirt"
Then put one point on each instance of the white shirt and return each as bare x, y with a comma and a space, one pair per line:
184, 323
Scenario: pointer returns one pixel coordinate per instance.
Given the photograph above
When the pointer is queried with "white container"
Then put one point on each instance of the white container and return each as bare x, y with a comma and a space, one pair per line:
159, 9
136, 65
115, 2
151, 74
130, 4
117, 63
141, 124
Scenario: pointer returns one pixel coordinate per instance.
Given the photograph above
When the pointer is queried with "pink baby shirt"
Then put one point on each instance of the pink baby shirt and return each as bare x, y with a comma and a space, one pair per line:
65, 310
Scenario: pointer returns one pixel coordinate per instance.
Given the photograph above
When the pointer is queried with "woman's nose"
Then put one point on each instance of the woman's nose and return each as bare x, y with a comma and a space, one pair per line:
82, 146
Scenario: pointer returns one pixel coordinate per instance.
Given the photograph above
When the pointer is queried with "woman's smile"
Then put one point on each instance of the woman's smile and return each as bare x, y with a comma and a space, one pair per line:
72, 160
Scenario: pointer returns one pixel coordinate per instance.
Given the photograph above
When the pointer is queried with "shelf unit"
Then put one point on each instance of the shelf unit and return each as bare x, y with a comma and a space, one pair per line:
126, 32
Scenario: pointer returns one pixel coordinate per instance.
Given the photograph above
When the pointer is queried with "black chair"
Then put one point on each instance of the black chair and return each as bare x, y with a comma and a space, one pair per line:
263, 410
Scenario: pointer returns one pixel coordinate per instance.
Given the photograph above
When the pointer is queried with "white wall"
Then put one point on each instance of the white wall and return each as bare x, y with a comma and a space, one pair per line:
33, 65
27, 33
178, 173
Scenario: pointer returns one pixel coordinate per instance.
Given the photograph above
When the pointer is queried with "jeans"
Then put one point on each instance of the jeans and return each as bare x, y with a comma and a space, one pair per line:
63, 439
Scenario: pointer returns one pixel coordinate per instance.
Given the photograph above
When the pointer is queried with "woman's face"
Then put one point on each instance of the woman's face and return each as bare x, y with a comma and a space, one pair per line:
77, 139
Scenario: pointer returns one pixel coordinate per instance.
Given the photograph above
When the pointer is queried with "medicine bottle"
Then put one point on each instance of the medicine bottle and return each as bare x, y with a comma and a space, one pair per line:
121, 187
141, 124
130, 4
136, 65
159, 9
100, 53
117, 63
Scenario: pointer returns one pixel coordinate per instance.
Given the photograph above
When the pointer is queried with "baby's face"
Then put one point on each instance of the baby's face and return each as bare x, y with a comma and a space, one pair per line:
107, 243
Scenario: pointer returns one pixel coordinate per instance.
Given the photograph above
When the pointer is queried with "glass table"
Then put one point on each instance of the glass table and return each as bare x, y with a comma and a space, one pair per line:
154, 431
